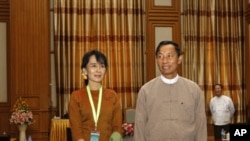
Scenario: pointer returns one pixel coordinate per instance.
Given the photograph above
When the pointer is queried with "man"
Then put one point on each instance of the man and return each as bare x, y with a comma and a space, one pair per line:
170, 107
222, 110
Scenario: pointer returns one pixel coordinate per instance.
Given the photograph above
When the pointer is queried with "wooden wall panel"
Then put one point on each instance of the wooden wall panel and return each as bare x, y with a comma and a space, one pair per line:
5, 106
160, 16
173, 8
30, 61
4, 121
247, 56
4, 10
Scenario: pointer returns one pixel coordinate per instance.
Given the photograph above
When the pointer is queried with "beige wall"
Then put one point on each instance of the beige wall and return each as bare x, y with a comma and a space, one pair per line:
3, 62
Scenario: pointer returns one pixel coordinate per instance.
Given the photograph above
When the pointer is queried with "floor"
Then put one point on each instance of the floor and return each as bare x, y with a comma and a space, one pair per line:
210, 138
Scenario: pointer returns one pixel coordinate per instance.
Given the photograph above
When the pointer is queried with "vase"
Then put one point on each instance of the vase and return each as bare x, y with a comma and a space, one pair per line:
128, 138
22, 132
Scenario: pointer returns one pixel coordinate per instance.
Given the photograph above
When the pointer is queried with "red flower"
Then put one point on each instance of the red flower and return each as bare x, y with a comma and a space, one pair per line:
128, 129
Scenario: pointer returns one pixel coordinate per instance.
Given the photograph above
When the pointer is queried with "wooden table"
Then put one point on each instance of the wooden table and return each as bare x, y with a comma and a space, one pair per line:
58, 129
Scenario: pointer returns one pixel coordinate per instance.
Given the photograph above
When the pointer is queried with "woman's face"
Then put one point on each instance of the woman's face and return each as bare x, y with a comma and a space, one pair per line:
168, 61
94, 70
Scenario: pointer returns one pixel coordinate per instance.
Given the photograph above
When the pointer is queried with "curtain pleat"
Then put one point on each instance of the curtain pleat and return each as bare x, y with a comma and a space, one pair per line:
213, 46
114, 27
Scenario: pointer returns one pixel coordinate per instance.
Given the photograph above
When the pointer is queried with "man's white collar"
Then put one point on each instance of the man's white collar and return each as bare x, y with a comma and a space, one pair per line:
169, 81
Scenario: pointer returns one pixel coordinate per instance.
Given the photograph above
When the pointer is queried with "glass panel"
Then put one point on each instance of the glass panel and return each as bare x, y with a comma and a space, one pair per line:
53, 82
162, 33
3, 62
163, 2
52, 55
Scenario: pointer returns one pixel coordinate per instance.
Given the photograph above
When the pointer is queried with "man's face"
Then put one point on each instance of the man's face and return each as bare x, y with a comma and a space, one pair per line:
168, 61
218, 90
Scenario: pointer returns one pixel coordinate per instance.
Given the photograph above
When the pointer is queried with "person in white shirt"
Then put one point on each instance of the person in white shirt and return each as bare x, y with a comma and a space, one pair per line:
222, 110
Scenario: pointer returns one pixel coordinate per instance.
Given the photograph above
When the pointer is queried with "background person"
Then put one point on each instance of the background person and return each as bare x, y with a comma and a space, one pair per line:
104, 116
170, 107
222, 110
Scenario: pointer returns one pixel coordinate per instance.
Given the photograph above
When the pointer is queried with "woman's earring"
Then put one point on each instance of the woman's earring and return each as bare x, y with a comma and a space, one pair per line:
84, 76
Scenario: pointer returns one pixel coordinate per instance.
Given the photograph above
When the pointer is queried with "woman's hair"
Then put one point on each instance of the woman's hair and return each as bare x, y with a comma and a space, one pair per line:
100, 57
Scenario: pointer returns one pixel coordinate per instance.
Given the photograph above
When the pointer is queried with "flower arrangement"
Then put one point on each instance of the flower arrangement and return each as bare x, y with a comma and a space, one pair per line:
21, 113
128, 129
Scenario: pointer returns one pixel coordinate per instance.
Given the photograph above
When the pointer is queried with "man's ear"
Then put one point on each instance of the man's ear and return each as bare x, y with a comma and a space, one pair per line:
180, 58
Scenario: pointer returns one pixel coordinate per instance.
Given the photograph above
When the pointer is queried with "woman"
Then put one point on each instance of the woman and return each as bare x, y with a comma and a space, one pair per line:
95, 112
